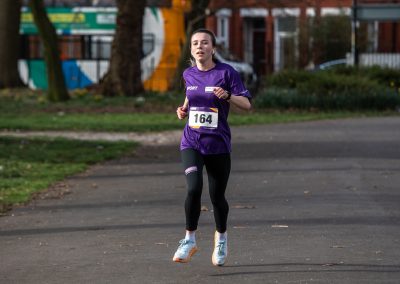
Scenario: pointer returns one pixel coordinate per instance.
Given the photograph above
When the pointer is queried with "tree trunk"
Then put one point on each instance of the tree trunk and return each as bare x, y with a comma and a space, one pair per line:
10, 14
57, 90
124, 74
184, 61
194, 20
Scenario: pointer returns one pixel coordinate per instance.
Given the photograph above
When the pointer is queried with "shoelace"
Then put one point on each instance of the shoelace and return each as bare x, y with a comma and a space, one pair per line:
220, 246
183, 243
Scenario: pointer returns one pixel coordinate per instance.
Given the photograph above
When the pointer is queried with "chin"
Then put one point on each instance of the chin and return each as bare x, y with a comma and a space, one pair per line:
202, 60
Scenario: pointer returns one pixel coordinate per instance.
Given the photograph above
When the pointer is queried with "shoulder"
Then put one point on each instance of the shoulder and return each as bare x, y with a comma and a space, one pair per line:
228, 70
226, 67
189, 71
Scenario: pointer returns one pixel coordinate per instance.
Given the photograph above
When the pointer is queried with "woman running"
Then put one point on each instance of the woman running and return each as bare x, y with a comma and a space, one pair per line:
211, 87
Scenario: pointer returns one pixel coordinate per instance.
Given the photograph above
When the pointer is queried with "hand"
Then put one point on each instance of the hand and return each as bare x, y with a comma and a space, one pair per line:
181, 112
221, 93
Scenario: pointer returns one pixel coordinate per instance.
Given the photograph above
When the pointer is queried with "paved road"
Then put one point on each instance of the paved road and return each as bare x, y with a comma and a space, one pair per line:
314, 202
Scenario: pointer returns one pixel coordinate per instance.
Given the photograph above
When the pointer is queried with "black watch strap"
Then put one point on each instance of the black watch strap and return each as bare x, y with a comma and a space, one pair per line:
229, 96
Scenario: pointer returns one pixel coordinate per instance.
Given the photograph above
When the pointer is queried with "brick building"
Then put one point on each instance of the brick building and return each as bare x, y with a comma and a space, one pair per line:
277, 34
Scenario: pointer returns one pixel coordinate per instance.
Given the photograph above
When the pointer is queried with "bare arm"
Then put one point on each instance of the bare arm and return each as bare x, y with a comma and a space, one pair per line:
240, 102
181, 111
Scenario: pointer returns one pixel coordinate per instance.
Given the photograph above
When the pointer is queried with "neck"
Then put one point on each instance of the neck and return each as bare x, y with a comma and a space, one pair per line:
205, 66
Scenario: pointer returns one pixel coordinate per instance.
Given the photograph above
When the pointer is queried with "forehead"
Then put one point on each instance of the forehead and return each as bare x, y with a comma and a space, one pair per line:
201, 36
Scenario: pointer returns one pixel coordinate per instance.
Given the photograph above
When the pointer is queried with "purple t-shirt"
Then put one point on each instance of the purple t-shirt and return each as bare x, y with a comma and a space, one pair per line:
207, 129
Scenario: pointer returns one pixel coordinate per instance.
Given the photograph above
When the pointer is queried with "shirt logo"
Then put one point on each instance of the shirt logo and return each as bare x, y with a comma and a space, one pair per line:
192, 88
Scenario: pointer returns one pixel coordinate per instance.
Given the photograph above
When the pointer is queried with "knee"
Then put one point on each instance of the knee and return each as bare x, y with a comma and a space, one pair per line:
194, 182
194, 190
217, 199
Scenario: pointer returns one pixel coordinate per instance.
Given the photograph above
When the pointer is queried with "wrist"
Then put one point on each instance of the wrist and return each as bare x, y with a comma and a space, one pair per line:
229, 96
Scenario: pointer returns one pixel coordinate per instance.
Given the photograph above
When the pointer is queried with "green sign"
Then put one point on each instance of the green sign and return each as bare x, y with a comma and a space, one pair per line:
73, 20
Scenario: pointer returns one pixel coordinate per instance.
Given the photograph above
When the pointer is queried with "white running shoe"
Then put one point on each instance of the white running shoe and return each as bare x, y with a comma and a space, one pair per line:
220, 251
185, 251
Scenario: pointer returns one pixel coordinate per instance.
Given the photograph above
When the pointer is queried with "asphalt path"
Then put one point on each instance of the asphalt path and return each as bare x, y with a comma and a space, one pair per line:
313, 202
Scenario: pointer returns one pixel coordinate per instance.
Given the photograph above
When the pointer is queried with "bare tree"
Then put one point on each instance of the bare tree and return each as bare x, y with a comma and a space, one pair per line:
10, 13
57, 90
124, 74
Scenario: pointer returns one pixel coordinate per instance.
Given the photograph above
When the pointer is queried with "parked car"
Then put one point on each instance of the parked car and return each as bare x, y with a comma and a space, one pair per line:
245, 70
331, 64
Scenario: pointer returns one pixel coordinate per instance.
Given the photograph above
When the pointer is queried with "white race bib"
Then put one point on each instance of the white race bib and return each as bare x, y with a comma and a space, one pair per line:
203, 117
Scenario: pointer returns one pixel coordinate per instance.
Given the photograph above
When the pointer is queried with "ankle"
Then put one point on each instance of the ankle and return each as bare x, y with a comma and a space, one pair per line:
221, 236
190, 236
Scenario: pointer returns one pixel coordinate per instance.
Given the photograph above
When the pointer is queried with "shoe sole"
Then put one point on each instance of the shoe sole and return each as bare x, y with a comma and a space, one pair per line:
186, 260
217, 264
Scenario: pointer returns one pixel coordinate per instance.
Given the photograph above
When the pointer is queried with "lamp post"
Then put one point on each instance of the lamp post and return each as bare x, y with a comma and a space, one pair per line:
354, 36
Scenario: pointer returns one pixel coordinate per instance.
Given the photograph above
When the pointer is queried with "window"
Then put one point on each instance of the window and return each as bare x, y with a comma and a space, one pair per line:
101, 47
70, 47
223, 31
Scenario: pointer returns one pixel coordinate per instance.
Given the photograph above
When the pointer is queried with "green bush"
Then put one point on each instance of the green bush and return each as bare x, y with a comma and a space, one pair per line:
287, 79
384, 76
283, 98
326, 83
359, 100
345, 88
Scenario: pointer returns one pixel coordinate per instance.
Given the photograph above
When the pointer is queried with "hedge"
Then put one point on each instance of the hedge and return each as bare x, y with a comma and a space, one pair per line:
337, 89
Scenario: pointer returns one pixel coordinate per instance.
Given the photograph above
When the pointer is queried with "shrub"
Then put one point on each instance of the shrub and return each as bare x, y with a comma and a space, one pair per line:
325, 83
384, 76
344, 88
287, 79
357, 100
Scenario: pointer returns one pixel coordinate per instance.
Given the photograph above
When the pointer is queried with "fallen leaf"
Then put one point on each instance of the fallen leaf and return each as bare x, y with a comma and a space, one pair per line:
244, 207
329, 264
280, 226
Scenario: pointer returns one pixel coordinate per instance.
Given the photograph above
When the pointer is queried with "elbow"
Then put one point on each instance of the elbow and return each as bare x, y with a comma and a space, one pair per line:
247, 106
250, 107
243, 104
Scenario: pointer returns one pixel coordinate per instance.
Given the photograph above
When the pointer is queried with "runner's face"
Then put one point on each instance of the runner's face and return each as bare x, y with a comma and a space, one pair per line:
201, 47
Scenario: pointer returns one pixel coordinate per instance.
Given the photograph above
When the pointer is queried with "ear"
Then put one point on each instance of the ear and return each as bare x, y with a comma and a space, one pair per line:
213, 52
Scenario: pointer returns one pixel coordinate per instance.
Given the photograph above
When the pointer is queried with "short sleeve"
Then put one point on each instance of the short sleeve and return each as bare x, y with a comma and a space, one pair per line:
235, 84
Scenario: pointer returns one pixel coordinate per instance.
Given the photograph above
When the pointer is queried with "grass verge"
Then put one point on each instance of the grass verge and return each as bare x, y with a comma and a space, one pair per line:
30, 165
121, 122
298, 116
147, 122
27, 110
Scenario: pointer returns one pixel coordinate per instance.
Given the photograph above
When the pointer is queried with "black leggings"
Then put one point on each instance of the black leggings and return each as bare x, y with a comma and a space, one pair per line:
218, 169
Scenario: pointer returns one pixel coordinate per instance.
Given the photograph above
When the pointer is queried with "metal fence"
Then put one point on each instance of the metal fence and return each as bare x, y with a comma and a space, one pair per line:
389, 60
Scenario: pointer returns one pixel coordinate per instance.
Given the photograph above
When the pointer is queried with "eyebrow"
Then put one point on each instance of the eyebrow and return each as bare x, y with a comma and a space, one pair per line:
196, 40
